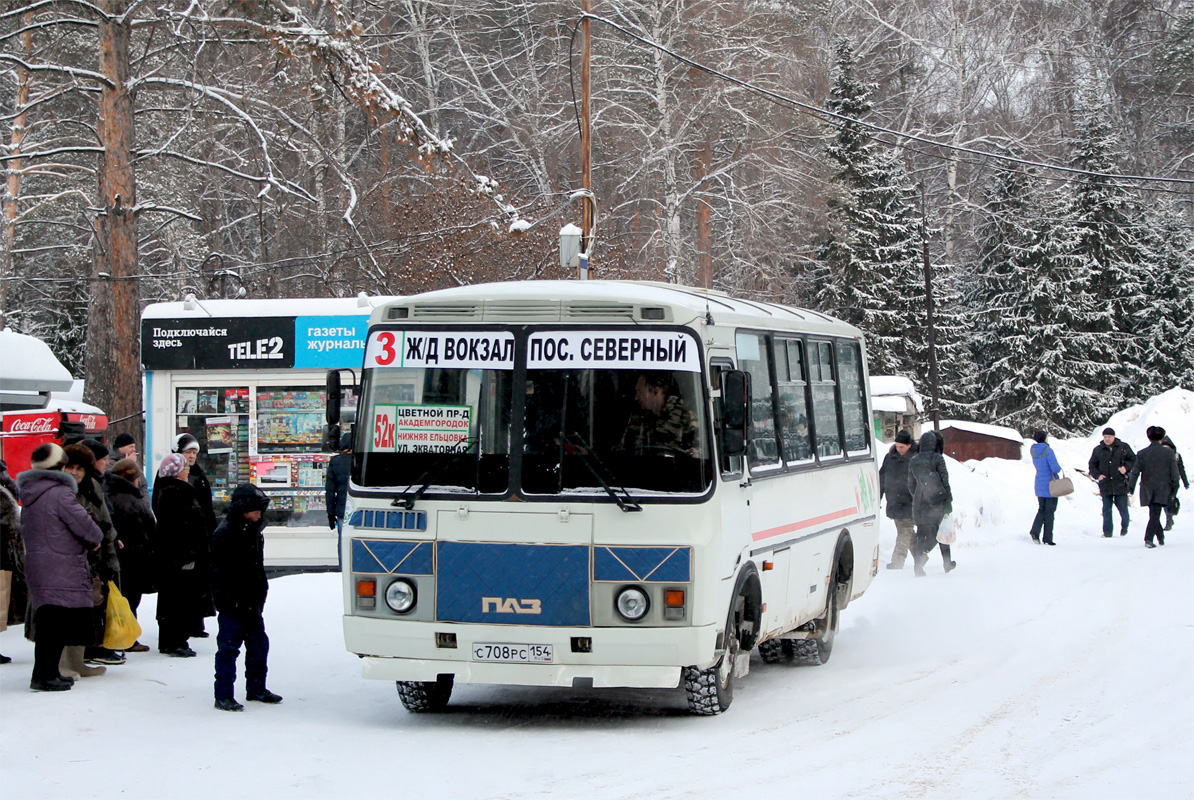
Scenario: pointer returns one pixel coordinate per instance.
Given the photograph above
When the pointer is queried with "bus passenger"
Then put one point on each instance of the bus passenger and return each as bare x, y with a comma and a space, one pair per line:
661, 422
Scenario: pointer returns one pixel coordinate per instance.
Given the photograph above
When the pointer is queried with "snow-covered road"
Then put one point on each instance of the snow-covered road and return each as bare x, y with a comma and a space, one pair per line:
1029, 672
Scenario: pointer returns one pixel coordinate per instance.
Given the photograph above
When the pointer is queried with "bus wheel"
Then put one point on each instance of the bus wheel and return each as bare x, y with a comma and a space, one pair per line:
773, 651
827, 625
710, 691
423, 696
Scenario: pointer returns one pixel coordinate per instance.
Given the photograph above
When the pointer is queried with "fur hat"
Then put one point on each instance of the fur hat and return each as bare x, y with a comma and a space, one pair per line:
1039, 435
171, 466
904, 436
48, 456
1156, 434
80, 455
1108, 431
184, 442
122, 440
127, 468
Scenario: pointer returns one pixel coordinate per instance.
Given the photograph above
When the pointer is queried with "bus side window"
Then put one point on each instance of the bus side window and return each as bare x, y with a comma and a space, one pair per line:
854, 416
793, 403
729, 465
754, 357
829, 438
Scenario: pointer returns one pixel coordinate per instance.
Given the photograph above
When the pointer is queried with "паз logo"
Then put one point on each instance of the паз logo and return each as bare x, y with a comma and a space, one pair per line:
510, 605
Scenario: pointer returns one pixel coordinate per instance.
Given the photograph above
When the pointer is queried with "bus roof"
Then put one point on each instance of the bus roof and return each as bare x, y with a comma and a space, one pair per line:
287, 307
601, 302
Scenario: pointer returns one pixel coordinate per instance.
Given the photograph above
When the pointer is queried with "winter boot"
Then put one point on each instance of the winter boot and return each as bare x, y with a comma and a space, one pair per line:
918, 564
71, 664
264, 696
228, 704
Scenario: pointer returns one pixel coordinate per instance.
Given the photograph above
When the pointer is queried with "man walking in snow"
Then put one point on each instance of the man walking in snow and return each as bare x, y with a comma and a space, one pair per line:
1156, 467
1110, 463
893, 482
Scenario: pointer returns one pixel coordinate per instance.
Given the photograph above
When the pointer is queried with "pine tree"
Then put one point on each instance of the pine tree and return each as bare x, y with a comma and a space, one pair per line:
1169, 321
871, 246
1106, 222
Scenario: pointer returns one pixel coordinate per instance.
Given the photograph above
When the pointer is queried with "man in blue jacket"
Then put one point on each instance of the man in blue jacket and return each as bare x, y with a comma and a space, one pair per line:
1110, 463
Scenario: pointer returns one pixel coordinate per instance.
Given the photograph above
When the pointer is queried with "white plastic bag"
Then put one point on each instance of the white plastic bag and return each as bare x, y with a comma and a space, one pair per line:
947, 531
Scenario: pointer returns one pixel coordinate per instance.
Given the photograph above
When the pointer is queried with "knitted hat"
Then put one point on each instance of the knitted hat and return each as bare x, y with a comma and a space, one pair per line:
123, 440
903, 437
171, 466
1108, 431
184, 442
1039, 435
48, 456
97, 448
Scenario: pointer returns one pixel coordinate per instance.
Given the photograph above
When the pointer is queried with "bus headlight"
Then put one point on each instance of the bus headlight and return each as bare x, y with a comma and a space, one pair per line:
400, 596
632, 603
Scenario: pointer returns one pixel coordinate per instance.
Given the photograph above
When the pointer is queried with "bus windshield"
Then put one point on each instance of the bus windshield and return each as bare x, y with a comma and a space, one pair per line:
635, 429
449, 427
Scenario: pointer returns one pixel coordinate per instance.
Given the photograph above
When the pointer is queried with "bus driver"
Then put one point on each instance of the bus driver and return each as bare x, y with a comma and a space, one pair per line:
661, 421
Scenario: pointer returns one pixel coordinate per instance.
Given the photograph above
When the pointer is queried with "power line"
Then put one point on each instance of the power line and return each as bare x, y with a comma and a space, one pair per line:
845, 119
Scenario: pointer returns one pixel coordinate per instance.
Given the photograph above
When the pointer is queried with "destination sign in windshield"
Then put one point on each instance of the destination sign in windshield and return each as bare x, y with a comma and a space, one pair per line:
441, 349
662, 350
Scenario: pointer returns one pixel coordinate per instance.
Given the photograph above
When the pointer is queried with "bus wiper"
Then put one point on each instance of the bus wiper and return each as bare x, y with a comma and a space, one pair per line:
578, 446
407, 499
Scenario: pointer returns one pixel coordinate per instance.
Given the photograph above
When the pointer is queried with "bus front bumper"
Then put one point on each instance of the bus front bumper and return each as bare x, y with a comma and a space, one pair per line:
619, 657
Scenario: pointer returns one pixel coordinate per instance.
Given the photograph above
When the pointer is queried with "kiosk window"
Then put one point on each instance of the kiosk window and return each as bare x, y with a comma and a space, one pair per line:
218, 418
854, 417
829, 439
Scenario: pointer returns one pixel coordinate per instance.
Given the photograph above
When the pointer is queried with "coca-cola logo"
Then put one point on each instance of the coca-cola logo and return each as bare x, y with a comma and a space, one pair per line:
36, 425
88, 421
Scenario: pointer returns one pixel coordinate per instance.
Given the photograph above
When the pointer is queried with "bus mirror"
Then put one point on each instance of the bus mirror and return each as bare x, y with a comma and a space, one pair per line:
333, 398
735, 400
331, 439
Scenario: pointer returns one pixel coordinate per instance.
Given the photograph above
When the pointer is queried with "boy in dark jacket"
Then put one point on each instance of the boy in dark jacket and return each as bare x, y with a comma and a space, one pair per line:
240, 586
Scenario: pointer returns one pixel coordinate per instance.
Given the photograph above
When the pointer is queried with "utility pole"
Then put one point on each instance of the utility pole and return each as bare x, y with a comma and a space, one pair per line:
932, 338
586, 163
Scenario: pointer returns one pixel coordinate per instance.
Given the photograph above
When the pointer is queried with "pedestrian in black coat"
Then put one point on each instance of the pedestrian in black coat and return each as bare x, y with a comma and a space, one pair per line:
1110, 464
336, 489
182, 537
893, 482
240, 586
928, 480
188, 447
1156, 468
135, 528
1174, 506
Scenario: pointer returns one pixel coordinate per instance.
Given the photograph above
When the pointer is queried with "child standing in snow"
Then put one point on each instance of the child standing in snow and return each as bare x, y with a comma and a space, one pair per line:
240, 586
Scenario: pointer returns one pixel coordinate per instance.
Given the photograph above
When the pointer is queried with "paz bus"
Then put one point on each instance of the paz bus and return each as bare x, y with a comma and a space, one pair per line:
603, 483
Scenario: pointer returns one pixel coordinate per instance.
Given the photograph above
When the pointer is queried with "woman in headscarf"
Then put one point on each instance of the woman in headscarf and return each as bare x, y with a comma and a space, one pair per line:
182, 537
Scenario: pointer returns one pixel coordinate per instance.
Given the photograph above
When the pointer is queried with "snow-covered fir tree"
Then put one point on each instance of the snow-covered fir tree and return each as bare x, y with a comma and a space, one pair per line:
871, 246
1106, 223
1168, 323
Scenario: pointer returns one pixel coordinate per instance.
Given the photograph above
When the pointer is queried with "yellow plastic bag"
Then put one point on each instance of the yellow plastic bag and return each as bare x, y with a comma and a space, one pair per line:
121, 628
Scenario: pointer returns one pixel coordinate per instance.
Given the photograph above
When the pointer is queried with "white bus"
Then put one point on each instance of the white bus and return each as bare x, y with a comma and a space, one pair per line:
603, 483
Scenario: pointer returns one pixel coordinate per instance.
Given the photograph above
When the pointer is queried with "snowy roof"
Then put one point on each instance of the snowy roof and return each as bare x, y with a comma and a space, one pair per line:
893, 386
996, 431
891, 404
724, 309
288, 307
27, 365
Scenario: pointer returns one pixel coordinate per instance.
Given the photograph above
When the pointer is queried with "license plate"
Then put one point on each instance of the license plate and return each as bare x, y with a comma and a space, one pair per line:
513, 653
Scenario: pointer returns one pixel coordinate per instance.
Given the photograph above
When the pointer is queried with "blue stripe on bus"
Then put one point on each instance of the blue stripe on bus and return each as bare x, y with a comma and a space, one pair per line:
642, 564
395, 558
389, 520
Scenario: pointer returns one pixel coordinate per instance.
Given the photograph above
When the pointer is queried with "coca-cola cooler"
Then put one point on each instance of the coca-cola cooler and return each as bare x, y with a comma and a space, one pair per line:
22, 431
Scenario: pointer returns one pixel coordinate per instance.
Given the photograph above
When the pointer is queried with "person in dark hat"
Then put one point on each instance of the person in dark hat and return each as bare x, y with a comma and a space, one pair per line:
1156, 469
893, 482
336, 489
125, 446
1109, 465
240, 587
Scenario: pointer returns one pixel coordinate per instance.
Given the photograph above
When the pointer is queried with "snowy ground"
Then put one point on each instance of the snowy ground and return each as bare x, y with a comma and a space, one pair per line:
1029, 672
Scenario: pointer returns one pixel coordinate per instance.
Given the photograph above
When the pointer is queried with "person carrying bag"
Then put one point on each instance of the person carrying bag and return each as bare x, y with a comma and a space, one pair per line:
1049, 486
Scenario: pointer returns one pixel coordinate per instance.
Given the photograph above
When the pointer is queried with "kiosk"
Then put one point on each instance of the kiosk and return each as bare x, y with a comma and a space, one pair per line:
246, 378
